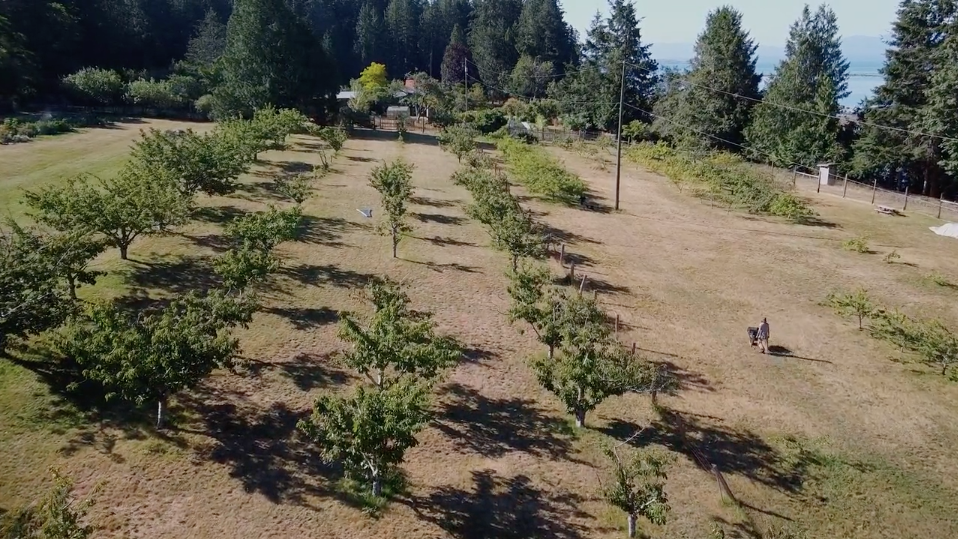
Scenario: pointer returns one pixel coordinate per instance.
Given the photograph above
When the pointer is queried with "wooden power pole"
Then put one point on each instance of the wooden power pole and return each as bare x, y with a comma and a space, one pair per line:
618, 152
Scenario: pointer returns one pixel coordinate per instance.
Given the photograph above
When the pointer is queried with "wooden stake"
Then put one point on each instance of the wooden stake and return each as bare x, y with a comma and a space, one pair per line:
595, 295
905, 207
845, 186
572, 272
794, 176
874, 188
562, 256
616, 324
940, 199
582, 285
633, 349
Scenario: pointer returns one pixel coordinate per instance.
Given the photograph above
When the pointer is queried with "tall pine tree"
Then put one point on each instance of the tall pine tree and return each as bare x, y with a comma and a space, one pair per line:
813, 76
271, 57
542, 34
456, 59
698, 113
913, 58
370, 33
492, 41
402, 23
940, 114
592, 93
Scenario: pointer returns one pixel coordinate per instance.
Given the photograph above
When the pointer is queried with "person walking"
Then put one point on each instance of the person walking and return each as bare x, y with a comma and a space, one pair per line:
763, 336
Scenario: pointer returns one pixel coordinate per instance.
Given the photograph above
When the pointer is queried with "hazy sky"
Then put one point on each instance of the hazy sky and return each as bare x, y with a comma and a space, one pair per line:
680, 21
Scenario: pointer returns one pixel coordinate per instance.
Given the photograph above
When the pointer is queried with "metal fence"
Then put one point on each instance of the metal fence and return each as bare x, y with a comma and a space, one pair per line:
872, 194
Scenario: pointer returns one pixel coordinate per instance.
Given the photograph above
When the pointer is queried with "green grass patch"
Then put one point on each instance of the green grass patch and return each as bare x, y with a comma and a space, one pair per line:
541, 173
725, 178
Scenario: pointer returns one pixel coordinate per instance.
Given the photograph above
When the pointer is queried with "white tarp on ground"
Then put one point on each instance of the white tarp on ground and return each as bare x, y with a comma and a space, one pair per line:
947, 229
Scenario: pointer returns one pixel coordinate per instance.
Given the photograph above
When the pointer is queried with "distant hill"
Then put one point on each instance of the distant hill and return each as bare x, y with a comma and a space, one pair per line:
858, 49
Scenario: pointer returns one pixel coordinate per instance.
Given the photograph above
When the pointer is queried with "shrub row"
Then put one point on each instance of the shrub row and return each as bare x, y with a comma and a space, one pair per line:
13, 130
723, 177
540, 173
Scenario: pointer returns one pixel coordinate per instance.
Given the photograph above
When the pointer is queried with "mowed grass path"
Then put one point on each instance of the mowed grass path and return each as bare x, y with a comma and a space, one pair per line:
835, 439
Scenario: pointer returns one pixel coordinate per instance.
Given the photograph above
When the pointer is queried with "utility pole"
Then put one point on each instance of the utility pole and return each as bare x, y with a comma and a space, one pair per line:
465, 83
618, 157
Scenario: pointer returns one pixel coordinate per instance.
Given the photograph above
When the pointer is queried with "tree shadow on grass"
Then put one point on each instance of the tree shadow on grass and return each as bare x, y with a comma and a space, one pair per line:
558, 235
434, 202
501, 508
306, 318
307, 371
494, 427
447, 242
218, 215
331, 274
781, 351
734, 451
177, 276
214, 242
267, 191
684, 378
260, 447
292, 167
455, 266
439, 218
326, 230
388, 135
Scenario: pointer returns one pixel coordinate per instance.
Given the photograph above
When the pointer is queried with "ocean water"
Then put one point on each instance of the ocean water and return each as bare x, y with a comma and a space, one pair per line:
863, 78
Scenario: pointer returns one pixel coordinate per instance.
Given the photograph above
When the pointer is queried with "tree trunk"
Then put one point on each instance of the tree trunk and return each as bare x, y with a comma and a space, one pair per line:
552, 351
71, 281
515, 262
123, 251
160, 407
580, 418
395, 244
631, 525
377, 485
379, 378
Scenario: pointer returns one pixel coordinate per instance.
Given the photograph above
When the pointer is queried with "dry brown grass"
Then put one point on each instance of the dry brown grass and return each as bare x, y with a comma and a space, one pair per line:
835, 438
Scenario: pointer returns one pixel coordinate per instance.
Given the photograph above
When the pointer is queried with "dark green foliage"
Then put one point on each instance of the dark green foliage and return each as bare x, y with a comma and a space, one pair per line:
206, 163
939, 116
542, 34
33, 298
541, 173
460, 139
485, 121
491, 40
208, 41
271, 58
813, 76
370, 45
456, 59
370, 431
95, 86
393, 181
611, 42
244, 266
637, 487
263, 231
536, 303
402, 25
693, 113
397, 342
530, 77
151, 358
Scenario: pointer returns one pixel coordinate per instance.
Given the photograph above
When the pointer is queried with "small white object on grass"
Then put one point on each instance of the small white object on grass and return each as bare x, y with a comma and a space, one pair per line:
367, 212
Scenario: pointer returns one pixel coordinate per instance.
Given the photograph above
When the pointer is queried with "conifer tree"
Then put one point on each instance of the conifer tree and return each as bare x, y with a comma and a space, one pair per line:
814, 76
370, 33
724, 62
492, 41
457, 59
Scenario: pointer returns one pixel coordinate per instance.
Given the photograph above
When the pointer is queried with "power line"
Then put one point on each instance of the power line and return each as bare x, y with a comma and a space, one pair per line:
807, 111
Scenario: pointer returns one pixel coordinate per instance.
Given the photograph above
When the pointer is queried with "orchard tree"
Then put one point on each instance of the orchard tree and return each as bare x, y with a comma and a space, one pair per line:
938, 348
240, 268
637, 487
151, 358
394, 183
199, 163
519, 235
334, 136
535, 304
263, 231
121, 208
370, 431
296, 187
32, 296
459, 139
397, 340
591, 366
856, 304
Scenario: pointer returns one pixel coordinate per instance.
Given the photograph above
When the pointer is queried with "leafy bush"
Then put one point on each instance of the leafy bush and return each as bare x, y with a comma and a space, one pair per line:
204, 105
723, 177
892, 257
485, 120
96, 86
636, 131
154, 94
541, 173
13, 130
459, 139
857, 244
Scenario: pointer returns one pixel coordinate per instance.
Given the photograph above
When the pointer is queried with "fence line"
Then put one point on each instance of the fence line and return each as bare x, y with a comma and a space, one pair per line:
872, 194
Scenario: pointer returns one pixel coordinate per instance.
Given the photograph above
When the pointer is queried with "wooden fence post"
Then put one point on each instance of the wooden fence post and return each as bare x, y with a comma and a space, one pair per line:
572, 272
845, 186
794, 176
940, 200
582, 285
905, 207
616, 324
818, 185
562, 256
633, 349
874, 189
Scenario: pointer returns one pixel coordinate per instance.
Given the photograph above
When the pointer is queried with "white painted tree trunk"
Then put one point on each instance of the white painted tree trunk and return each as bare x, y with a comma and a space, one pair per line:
159, 413
631, 525
580, 418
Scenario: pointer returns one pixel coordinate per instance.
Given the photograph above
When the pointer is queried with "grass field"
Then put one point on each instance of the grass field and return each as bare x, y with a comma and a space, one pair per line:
830, 437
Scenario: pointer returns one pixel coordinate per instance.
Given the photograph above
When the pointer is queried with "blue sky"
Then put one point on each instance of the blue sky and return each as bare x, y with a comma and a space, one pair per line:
680, 21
